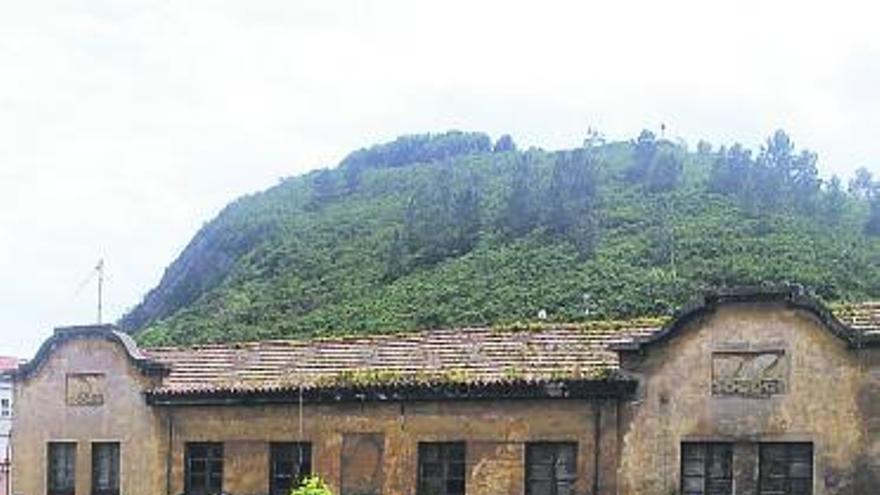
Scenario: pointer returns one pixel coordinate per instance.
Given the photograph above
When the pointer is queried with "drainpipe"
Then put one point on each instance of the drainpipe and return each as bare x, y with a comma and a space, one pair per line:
169, 421
597, 440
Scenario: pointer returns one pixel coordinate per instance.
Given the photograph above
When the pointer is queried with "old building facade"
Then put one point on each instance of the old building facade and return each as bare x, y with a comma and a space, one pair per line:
750, 392
7, 365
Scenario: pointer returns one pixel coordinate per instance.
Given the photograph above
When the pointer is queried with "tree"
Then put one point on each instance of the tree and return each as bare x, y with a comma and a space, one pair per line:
731, 170
352, 177
860, 185
804, 182
572, 189
645, 149
664, 172
520, 214
466, 218
442, 219
504, 144
834, 200
704, 148
872, 227
782, 177
395, 264
585, 235
324, 189
312, 485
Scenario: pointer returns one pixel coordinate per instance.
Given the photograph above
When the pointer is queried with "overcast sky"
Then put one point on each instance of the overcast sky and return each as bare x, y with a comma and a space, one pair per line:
124, 126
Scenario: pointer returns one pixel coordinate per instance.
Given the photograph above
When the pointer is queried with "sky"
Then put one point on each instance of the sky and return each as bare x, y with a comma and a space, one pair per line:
125, 126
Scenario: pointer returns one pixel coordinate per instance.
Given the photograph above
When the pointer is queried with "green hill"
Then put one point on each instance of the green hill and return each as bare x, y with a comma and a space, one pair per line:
452, 229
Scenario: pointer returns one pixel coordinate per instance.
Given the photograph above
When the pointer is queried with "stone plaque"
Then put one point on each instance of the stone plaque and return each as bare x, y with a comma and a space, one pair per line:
85, 389
749, 374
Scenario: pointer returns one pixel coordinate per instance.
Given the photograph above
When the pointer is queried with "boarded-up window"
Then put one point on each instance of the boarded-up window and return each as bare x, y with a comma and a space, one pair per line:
105, 468
551, 468
786, 469
289, 462
362, 463
62, 468
706, 468
204, 468
441, 468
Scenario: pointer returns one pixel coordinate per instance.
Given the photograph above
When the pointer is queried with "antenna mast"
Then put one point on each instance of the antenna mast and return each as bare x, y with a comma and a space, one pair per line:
100, 269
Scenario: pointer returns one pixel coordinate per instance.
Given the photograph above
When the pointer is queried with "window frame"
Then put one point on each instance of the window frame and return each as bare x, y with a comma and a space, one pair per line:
554, 480
708, 451
275, 451
115, 473
446, 461
71, 448
210, 462
789, 459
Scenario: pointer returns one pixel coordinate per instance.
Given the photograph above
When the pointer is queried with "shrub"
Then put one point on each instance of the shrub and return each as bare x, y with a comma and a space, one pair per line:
312, 485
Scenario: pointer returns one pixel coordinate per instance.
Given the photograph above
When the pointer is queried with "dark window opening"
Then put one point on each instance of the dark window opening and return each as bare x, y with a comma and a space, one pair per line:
551, 468
706, 468
441, 468
289, 463
204, 468
62, 468
786, 469
105, 468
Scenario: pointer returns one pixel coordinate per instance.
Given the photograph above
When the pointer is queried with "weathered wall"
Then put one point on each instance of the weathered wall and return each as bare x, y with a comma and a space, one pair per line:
869, 403
824, 381
495, 432
43, 415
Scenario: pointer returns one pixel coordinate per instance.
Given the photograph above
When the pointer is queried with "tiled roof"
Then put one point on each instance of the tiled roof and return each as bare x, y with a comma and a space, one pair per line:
472, 355
9, 363
864, 317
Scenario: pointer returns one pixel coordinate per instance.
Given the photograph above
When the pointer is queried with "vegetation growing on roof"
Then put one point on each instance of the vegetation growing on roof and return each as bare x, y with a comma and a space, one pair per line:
448, 230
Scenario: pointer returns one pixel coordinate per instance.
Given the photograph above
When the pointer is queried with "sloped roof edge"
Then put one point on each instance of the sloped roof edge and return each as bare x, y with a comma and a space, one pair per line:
107, 332
792, 295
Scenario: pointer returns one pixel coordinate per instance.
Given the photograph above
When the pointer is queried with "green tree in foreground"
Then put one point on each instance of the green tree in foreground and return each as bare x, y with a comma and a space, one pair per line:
312, 485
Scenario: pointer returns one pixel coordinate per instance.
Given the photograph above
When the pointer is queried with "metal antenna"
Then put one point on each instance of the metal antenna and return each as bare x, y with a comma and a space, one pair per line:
100, 269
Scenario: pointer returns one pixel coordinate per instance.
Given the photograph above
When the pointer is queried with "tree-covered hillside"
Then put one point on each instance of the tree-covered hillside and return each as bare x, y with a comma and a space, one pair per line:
453, 229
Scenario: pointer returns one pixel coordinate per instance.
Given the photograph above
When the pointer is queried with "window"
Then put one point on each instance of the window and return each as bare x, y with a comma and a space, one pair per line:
289, 462
441, 468
5, 408
62, 468
105, 468
706, 469
786, 469
551, 468
204, 468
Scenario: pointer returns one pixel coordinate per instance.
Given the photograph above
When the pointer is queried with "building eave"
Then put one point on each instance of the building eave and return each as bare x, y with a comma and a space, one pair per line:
109, 333
792, 296
557, 389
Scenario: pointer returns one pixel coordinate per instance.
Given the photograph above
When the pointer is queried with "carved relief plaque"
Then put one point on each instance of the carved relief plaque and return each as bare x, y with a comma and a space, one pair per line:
85, 389
749, 373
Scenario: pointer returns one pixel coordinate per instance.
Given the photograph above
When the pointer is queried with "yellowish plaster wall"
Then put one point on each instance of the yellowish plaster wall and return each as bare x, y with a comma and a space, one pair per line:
495, 432
675, 401
42, 415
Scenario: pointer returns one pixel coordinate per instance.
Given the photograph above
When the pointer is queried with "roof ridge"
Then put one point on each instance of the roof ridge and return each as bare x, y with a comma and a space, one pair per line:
518, 327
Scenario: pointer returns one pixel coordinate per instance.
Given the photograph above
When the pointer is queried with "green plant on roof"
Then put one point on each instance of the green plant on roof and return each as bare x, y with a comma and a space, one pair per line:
312, 485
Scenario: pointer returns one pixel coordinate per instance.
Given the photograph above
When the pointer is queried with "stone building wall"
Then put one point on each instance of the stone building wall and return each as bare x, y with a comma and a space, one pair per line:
821, 378
50, 407
802, 384
495, 433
